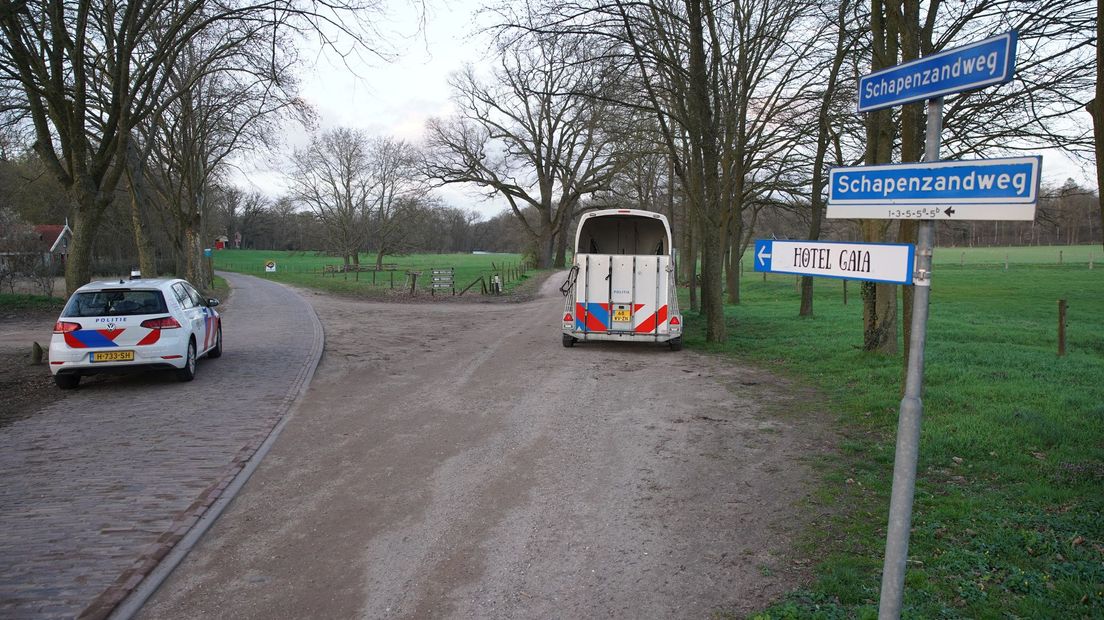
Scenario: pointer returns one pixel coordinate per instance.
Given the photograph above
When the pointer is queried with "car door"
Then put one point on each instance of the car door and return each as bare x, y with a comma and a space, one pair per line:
210, 318
193, 315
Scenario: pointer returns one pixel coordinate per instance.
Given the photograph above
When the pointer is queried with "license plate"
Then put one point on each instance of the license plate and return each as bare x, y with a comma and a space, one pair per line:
113, 356
622, 316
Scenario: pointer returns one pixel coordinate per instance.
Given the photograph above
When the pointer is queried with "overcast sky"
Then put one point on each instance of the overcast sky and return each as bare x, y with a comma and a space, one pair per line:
389, 98
396, 98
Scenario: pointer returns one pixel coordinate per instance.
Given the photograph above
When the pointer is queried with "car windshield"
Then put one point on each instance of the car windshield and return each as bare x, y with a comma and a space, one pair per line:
115, 302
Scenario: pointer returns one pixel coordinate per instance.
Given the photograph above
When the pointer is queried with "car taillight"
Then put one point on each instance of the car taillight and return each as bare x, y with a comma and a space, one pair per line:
163, 323
62, 327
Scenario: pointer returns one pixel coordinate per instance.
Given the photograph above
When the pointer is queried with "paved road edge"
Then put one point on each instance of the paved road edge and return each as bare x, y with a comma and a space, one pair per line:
134, 601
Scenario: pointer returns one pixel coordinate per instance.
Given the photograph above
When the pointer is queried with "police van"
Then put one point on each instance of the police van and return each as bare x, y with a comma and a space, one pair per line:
621, 286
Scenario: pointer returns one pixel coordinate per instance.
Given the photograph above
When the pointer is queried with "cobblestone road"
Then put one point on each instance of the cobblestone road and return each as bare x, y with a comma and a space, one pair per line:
96, 488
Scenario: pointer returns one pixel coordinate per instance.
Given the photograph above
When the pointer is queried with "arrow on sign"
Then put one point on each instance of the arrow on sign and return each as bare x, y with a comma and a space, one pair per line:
762, 255
949, 212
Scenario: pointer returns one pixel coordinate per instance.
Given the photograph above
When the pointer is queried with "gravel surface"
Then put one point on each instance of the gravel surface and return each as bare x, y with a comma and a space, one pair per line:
26, 388
454, 460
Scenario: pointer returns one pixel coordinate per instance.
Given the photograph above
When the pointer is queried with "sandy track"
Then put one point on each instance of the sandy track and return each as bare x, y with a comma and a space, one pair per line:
454, 460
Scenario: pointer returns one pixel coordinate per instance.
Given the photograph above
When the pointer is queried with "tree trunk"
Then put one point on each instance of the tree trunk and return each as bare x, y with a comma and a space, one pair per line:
147, 261
560, 261
879, 300
78, 264
732, 268
712, 301
139, 205
88, 212
692, 263
379, 260
194, 270
545, 247
912, 149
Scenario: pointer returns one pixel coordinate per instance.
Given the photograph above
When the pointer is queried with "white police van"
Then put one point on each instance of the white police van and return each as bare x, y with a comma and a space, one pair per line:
621, 286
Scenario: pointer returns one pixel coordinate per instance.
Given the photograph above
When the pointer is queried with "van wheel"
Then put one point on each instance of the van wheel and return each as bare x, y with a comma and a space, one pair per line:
187, 373
675, 343
568, 341
67, 382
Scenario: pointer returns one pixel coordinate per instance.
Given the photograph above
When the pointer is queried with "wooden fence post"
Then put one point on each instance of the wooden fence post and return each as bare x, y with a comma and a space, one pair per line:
1062, 327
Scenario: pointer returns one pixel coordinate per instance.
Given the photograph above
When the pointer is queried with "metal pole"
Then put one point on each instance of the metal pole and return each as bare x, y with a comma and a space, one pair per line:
912, 409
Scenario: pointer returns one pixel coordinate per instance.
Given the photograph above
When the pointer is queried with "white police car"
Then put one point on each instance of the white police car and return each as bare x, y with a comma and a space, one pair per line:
133, 325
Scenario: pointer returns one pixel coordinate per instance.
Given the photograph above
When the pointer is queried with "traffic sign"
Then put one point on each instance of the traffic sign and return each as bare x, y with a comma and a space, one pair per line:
270, 266
876, 262
984, 63
984, 189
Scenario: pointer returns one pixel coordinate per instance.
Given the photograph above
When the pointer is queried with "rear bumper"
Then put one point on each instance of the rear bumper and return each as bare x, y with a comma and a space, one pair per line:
67, 360
113, 369
625, 336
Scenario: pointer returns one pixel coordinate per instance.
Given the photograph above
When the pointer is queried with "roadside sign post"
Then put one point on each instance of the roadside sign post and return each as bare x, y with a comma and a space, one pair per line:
907, 452
995, 189
976, 65
875, 262
984, 189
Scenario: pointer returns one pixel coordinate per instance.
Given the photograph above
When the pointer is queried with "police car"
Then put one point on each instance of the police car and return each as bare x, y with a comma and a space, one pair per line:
134, 325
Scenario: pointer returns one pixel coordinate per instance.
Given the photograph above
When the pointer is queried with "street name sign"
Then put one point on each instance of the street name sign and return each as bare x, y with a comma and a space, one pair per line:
984, 189
876, 262
983, 63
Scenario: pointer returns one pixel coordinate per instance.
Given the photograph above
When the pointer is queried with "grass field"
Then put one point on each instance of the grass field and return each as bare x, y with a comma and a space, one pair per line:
1030, 255
20, 301
1009, 513
306, 269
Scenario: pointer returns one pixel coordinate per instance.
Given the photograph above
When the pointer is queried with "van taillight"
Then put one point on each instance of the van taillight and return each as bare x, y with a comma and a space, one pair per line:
62, 327
163, 323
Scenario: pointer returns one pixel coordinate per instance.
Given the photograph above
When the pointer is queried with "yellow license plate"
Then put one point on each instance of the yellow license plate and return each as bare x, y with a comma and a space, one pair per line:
113, 356
622, 316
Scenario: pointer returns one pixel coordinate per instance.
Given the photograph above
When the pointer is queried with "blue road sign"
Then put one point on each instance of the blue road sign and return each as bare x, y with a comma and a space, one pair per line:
875, 262
973, 66
984, 189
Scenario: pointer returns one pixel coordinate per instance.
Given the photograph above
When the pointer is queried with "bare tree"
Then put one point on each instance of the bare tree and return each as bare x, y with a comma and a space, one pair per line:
85, 73
396, 193
333, 177
222, 107
827, 125
531, 135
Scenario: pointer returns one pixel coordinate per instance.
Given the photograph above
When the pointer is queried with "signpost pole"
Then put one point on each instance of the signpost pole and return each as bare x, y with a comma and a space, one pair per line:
912, 409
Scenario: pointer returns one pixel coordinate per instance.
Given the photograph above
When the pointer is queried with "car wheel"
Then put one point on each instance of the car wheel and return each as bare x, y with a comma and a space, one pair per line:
187, 373
568, 341
216, 351
67, 382
675, 343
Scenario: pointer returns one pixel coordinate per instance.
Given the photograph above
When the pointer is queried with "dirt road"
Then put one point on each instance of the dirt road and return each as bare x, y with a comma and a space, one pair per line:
454, 460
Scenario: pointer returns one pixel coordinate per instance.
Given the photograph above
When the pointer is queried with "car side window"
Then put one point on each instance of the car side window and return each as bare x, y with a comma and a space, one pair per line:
197, 299
182, 296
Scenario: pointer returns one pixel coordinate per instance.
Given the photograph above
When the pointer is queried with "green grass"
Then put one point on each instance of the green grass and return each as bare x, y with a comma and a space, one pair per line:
1009, 513
1043, 254
306, 269
19, 301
